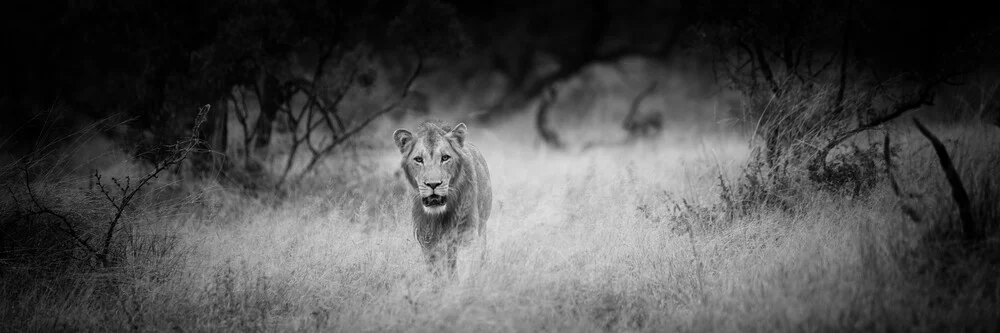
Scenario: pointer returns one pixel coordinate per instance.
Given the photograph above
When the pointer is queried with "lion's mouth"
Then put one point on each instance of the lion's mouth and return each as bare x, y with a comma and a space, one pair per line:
434, 200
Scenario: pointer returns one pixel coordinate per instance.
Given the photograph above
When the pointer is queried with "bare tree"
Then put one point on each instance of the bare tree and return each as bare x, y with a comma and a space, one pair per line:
804, 94
321, 116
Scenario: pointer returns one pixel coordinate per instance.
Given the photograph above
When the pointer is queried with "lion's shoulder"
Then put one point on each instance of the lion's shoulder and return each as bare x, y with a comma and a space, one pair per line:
477, 161
481, 181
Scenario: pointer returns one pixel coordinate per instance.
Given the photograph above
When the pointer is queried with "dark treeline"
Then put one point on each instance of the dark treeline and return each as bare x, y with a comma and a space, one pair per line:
884, 37
157, 61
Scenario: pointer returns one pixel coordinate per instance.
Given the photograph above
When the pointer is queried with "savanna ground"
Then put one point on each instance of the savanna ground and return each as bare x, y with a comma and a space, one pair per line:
629, 238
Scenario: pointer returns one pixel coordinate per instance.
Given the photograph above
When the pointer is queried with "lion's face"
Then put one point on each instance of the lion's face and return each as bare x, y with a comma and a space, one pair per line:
432, 163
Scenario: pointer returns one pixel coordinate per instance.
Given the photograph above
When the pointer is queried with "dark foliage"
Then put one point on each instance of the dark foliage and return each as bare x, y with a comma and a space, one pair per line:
151, 61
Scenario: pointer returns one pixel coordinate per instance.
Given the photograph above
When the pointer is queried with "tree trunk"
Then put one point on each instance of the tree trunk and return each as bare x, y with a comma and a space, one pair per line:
218, 139
548, 135
631, 124
268, 96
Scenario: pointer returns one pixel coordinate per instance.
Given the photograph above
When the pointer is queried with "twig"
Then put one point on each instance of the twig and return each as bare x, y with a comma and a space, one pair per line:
45, 210
128, 193
699, 266
887, 154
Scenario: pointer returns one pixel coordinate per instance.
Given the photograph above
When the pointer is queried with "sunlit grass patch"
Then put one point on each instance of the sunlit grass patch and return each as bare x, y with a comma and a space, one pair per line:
613, 239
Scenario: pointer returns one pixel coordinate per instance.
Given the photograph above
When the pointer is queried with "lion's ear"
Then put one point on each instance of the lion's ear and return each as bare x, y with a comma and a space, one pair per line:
402, 137
458, 134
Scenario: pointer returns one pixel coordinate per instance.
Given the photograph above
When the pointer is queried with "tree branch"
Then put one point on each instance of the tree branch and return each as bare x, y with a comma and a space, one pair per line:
364, 123
629, 122
924, 97
70, 229
958, 193
574, 63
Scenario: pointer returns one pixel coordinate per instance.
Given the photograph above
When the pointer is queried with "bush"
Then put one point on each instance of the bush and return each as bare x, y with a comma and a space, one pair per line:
71, 222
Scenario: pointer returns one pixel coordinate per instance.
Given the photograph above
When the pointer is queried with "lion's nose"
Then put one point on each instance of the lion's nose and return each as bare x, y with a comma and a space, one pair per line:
432, 185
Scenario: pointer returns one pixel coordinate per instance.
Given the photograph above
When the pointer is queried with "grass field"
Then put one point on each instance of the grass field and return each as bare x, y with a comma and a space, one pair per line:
622, 239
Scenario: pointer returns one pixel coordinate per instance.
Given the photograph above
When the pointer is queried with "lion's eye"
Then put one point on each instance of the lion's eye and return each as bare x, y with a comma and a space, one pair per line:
444, 158
419, 159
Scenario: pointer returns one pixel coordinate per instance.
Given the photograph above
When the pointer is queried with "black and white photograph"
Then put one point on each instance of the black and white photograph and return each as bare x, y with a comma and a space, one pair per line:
499, 166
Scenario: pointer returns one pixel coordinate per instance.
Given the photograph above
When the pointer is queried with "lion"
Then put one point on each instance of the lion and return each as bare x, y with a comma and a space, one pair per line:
453, 192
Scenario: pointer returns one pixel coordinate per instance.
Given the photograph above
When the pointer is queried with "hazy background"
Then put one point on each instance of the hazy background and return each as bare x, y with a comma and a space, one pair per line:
656, 165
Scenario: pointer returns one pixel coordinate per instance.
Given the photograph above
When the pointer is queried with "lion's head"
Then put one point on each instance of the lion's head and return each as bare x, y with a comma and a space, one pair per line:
432, 161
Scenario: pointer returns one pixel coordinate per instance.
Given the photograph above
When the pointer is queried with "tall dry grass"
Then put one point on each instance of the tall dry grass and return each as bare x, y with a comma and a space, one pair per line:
617, 239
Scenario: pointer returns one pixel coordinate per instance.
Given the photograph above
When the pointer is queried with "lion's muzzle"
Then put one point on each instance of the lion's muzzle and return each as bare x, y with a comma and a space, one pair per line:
434, 196
434, 200
434, 203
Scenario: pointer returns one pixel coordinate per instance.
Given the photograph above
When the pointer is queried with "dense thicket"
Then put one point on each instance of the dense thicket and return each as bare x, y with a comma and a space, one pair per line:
157, 61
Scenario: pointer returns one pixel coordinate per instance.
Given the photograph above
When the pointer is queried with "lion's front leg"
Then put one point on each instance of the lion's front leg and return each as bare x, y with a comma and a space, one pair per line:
467, 232
468, 225
443, 256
